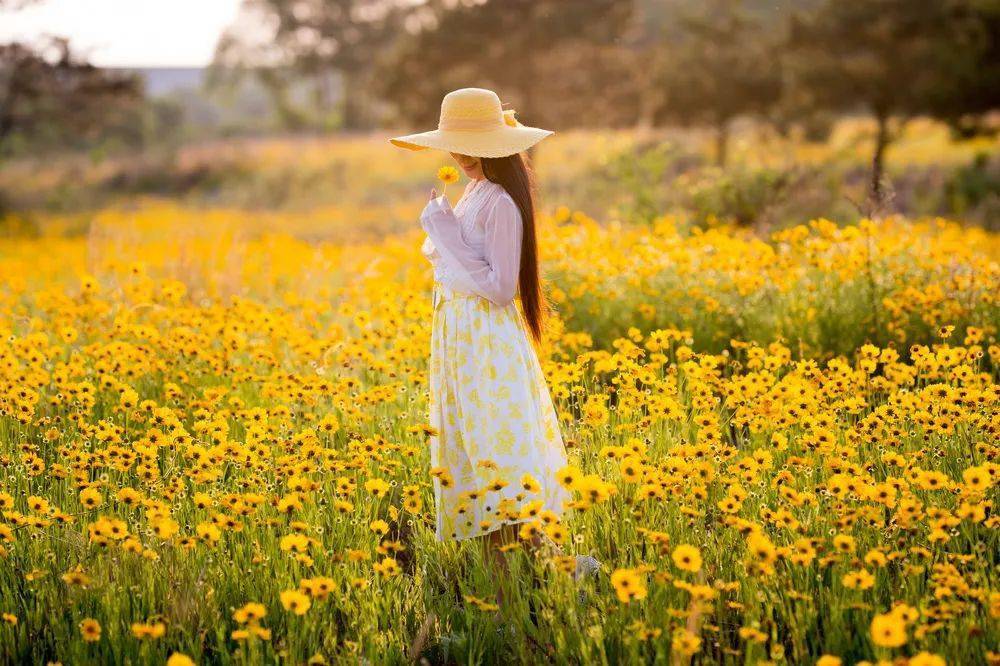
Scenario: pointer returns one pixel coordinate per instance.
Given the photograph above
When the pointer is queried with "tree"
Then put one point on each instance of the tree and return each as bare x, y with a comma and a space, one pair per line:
720, 65
63, 100
969, 57
895, 59
287, 40
555, 62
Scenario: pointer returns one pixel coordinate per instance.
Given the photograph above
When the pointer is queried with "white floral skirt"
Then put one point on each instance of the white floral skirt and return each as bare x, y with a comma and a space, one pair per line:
497, 446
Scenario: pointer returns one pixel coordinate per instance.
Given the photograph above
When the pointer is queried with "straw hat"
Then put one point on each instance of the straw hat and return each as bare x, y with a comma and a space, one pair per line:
473, 123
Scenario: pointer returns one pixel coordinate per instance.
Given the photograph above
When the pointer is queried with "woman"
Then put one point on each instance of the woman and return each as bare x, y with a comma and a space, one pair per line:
498, 448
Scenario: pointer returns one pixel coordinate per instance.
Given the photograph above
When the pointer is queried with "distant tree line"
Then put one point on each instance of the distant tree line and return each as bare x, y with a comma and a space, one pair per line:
49, 96
563, 64
619, 63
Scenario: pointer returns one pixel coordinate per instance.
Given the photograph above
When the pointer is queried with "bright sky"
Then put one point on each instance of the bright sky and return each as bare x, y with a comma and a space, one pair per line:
127, 33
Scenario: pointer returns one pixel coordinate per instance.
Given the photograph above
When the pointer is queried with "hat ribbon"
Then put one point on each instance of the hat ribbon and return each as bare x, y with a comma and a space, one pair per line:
478, 123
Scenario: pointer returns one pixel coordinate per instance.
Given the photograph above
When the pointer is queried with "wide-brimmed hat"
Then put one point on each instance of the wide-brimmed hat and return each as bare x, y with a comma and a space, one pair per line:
474, 123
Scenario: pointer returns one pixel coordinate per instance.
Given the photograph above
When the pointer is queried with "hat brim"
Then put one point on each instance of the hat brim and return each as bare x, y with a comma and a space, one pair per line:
499, 142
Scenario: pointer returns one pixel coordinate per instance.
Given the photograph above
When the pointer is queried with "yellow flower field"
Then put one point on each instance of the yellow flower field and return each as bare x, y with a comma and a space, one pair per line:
214, 448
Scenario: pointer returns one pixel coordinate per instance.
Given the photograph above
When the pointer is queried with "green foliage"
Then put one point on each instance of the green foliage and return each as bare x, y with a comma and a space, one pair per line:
65, 103
722, 66
974, 191
640, 183
894, 58
636, 180
821, 312
17, 226
740, 195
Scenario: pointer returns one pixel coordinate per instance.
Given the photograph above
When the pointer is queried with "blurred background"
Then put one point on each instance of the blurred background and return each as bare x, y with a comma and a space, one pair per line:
274, 113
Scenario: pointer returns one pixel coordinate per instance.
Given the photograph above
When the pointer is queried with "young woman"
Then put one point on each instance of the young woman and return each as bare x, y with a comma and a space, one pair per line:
498, 447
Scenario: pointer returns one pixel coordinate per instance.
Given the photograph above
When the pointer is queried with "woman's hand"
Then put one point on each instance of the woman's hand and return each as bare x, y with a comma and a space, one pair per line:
437, 209
441, 199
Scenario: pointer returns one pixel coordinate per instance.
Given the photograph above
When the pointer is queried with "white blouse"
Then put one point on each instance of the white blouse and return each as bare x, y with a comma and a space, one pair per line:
475, 248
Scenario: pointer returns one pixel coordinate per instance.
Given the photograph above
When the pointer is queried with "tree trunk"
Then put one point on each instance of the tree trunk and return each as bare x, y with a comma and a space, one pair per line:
6, 125
277, 89
881, 142
354, 109
721, 144
647, 112
352, 112
651, 99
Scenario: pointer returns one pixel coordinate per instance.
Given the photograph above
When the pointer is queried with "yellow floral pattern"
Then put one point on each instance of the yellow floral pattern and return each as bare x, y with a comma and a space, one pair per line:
494, 421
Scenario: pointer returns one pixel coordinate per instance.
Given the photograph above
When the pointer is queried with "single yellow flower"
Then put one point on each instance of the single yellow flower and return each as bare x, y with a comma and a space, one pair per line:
888, 630
687, 557
685, 642
295, 601
447, 175
628, 584
90, 629
926, 659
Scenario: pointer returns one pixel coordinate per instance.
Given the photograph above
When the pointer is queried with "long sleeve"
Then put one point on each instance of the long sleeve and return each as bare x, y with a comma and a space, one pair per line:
492, 273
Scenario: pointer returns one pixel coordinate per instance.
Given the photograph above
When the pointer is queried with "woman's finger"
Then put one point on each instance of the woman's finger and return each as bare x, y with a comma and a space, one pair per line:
434, 193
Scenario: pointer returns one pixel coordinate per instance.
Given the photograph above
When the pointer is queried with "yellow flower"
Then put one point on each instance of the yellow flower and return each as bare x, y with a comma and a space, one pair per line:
260, 632
90, 498
378, 487
250, 612
179, 659
628, 585
387, 568
685, 642
844, 543
447, 174
165, 528
295, 601
595, 412
569, 476
143, 631
905, 612
318, 588
76, 577
977, 478
888, 630
761, 548
925, 659
90, 629
828, 660
687, 557
481, 604
860, 579
298, 543
752, 634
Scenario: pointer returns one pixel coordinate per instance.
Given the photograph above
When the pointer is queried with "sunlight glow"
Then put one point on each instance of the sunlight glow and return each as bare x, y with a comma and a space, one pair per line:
127, 33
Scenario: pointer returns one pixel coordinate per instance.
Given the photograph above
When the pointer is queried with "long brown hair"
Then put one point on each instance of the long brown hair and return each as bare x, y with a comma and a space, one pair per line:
514, 174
